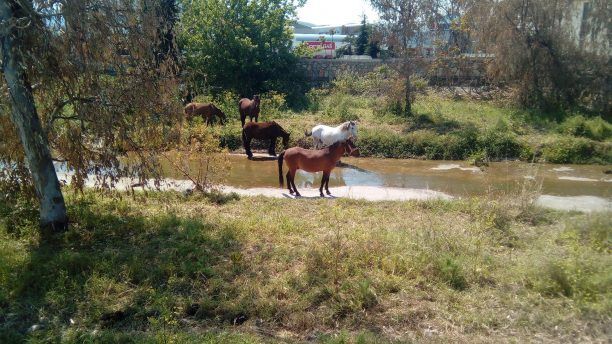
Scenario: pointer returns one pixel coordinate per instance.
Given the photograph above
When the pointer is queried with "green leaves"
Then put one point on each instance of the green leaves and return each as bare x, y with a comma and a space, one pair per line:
239, 45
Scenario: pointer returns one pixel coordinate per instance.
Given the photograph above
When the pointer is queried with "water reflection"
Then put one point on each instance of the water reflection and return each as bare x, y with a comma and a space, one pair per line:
451, 177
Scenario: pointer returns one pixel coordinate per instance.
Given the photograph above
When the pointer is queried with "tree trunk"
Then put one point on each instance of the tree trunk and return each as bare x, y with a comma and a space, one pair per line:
52, 208
408, 90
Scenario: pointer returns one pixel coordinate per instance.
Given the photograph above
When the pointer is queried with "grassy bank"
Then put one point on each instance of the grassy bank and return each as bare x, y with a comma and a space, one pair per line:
441, 127
165, 268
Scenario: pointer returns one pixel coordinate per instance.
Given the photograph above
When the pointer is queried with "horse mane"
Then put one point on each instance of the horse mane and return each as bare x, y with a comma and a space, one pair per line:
345, 126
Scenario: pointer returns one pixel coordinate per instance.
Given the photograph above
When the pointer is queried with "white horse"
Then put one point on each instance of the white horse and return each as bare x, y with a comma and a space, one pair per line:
323, 135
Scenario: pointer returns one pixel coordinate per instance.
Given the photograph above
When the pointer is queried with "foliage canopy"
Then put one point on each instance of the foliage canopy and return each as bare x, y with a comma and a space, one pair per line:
239, 45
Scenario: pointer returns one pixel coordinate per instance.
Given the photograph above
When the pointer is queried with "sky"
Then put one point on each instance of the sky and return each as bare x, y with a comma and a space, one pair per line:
336, 12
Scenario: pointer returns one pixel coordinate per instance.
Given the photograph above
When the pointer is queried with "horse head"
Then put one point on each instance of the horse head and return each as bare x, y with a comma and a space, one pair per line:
256, 100
350, 148
352, 128
188, 110
222, 116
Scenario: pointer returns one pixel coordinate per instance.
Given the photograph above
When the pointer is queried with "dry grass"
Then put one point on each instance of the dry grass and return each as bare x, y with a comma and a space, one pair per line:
171, 269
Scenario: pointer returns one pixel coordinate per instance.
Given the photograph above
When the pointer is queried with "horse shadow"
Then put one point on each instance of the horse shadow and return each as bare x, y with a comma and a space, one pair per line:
352, 167
286, 195
263, 158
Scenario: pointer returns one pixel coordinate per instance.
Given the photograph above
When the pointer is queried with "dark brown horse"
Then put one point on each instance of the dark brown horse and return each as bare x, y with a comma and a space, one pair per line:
207, 110
313, 161
263, 131
249, 107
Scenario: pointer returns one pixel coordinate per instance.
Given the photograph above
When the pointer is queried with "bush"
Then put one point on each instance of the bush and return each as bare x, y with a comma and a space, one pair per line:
273, 105
568, 150
499, 144
230, 137
596, 128
340, 107
315, 98
451, 273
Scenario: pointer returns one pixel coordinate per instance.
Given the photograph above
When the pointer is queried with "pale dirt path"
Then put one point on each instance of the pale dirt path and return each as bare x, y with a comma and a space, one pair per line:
369, 193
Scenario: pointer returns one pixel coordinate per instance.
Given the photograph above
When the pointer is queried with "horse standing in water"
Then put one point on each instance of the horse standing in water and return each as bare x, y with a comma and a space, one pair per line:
263, 131
207, 110
249, 107
323, 135
313, 161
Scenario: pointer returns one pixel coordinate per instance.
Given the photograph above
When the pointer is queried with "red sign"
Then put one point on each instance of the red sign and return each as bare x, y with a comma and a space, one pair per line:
322, 45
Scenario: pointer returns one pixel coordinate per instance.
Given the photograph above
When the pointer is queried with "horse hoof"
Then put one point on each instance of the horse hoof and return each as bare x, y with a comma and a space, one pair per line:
328, 193
322, 195
250, 157
297, 195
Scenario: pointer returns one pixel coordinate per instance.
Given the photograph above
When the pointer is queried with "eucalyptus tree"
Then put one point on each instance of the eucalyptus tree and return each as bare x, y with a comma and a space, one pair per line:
86, 85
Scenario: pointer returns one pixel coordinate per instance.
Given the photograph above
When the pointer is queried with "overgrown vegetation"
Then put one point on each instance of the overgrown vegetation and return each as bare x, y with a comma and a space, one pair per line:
239, 46
251, 271
454, 127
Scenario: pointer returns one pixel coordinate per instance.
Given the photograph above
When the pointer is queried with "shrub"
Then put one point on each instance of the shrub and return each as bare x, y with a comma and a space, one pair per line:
568, 150
228, 103
595, 128
451, 273
273, 104
315, 98
340, 107
499, 144
462, 143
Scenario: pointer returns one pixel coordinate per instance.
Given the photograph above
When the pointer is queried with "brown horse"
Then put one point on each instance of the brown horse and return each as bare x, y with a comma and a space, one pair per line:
249, 107
313, 161
263, 131
207, 110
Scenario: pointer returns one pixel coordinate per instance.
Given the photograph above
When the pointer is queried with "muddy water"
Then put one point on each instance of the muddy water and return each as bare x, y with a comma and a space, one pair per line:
451, 177
563, 187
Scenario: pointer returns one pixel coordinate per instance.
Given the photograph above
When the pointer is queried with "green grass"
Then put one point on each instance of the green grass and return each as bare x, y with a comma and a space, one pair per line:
440, 128
165, 268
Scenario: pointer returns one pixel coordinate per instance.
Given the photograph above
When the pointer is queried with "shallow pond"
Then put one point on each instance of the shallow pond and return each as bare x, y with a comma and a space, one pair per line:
580, 187
451, 177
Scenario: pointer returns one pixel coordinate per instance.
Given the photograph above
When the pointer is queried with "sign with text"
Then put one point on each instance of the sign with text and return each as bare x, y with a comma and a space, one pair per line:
322, 45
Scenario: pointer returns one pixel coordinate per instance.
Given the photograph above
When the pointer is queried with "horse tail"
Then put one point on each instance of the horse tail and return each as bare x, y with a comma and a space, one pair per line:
244, 140
308, 133
281, 180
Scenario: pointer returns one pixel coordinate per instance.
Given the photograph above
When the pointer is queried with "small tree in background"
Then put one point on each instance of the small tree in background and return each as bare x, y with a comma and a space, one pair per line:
403, 21
363, 38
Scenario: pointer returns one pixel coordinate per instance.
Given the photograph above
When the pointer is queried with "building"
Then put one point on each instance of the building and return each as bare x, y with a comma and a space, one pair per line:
327, 38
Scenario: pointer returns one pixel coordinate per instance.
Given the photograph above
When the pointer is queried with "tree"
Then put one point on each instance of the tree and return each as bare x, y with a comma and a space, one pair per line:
240, 45
361, 44
404, 22
537, 52
34, 141
101, 91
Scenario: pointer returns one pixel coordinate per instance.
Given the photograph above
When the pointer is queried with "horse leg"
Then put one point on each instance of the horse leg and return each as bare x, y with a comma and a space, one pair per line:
272, 148
246, 141
293, 171
289, 182
327, 184
323, 180
242, 119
